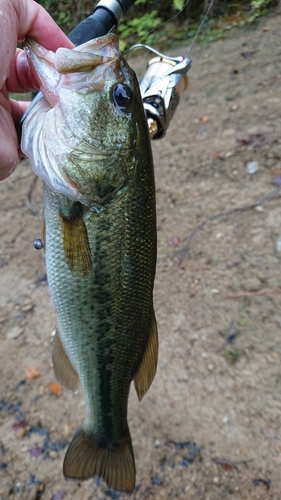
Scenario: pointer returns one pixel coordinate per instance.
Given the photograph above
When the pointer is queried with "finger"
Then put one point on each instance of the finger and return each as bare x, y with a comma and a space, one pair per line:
21, 79
8, 144
21, 19
18, 108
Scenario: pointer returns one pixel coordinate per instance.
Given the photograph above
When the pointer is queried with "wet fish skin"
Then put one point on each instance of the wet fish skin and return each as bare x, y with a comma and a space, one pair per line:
100, 251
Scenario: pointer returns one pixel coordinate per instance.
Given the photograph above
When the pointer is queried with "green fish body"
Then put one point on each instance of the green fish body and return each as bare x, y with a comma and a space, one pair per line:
88, 140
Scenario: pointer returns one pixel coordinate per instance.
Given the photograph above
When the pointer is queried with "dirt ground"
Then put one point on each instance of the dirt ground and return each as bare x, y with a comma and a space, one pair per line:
209, 428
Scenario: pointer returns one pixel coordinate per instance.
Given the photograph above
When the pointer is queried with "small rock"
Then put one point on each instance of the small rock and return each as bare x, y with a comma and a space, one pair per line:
276, 151
21, 432
269, 433
234, 107
228, 132
251, 284
15, 333
252, 167
26, 306
66, 430
228, 154
269, 155
270, 162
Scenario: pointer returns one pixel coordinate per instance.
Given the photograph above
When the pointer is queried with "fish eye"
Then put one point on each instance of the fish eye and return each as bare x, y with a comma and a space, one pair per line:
121, 95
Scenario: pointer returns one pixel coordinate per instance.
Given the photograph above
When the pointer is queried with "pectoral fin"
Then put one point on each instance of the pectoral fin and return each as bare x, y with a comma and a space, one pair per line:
147, 368
76, 244
64, 371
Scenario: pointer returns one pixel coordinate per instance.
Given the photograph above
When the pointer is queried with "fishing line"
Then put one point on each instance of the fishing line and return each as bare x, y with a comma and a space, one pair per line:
200, 26
140, 45
169, 20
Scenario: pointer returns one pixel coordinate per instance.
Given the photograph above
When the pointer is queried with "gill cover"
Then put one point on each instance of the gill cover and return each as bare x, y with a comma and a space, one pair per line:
59, 133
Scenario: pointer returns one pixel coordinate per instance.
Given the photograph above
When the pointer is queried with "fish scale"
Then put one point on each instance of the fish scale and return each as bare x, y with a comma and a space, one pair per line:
100, 241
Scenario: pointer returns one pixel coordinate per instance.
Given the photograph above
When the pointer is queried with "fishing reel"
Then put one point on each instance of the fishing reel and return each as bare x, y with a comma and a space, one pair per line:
161, 88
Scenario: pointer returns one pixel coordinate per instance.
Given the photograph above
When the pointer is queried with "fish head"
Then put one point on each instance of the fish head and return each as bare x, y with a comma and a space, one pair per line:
83, 137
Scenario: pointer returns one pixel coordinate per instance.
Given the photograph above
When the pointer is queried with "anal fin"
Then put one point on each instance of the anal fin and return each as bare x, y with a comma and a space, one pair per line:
87, 456
148, 365
65, 374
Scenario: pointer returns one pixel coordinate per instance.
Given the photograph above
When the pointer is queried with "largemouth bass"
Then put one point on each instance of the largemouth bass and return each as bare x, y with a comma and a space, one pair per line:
88, 141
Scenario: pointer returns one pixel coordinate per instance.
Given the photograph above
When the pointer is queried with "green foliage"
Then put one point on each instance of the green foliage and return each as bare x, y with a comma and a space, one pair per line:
178, 4
259, 8
140, 26
146, 15
67, 13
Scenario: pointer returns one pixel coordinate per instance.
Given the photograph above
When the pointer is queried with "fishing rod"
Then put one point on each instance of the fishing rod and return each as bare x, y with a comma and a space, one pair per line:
165, 79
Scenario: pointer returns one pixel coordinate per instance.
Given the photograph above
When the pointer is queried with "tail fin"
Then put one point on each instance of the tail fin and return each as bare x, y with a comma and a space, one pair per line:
87, 457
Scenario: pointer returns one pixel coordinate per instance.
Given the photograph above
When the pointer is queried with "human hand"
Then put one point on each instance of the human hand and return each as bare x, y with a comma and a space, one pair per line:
20, 19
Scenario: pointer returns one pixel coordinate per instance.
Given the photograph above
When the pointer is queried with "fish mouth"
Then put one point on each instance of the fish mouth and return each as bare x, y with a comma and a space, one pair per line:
53, 69
84, 57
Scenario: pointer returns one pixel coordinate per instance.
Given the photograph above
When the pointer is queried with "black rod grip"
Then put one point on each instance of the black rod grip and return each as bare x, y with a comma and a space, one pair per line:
126, 4
98, 24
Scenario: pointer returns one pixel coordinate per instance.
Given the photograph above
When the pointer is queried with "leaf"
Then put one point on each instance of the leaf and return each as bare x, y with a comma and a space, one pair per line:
176, 241
178, 4
19, 425
31, 372
56, 389
224, 463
